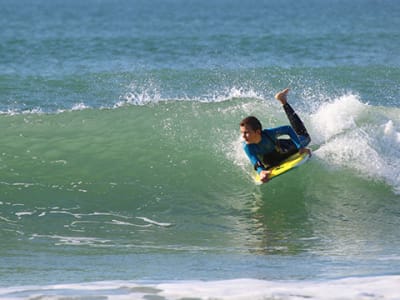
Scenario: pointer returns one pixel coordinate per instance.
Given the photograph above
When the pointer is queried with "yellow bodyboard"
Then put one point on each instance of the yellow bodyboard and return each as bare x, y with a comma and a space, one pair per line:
292, 162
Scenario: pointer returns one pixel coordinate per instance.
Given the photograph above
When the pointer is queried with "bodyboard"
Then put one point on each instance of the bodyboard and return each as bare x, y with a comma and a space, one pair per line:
290, 163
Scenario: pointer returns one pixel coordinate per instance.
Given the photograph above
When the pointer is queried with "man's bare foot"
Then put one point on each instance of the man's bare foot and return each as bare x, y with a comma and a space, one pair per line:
282, 96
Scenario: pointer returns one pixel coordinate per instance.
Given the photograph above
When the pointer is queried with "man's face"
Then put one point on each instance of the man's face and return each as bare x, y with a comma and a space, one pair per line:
249, 135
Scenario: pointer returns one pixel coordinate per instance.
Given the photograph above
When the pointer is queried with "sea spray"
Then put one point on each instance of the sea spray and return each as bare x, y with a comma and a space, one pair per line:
358, 136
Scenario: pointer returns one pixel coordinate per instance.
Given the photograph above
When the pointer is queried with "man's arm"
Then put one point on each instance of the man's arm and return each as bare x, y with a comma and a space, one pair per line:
258, 165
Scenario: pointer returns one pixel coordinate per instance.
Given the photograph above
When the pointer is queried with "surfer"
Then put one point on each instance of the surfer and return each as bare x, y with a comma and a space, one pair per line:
266, 148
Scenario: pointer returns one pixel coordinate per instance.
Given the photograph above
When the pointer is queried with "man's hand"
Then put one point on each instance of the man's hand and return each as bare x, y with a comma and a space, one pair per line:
305, 150
264, 175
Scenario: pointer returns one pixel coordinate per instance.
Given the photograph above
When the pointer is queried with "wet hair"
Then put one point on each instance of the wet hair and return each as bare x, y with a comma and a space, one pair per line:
251, 122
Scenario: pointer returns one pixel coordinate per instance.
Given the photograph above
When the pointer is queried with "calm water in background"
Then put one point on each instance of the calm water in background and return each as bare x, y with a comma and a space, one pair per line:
121, 170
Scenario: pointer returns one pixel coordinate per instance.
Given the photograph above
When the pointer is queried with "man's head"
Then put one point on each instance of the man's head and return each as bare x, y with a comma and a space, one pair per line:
250, 129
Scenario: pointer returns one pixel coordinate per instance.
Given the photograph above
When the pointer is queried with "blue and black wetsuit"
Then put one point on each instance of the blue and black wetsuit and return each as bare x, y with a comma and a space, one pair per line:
273, 149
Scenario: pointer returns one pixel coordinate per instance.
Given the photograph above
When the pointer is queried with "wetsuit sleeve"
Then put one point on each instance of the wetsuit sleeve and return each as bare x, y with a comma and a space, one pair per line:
253, 158
282, 130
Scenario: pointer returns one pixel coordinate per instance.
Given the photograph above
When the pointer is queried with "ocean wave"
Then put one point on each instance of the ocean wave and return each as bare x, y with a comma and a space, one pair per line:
346, 133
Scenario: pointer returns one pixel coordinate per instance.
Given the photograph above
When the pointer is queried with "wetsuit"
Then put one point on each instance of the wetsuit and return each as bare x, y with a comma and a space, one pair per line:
273, 149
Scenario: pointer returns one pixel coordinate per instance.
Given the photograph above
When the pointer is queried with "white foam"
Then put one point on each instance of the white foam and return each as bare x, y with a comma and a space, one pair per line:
152, 222
336, 117
138, 99
151, 95
389, 147
148, 223
139, 95
383, 287
79, 106
237, 155
350, 288
13, 112
360, 137
24, 213
231, 93
72, 240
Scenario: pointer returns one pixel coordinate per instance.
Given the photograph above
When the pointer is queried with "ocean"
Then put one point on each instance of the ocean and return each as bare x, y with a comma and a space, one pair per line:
122, 174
